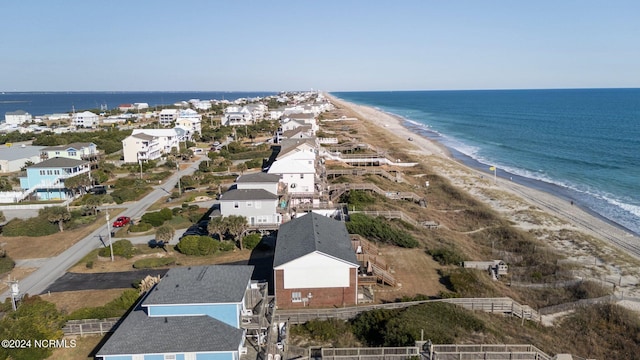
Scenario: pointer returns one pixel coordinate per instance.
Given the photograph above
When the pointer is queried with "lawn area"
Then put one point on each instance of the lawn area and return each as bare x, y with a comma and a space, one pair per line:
84, 347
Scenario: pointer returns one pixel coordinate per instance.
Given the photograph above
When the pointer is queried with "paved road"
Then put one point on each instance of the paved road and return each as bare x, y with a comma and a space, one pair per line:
54, 268
101, 281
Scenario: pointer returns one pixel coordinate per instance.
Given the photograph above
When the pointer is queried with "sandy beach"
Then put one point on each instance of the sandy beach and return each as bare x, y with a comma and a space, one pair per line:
612, 243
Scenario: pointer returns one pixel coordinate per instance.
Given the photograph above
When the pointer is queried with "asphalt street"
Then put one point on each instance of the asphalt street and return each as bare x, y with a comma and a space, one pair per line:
53, 268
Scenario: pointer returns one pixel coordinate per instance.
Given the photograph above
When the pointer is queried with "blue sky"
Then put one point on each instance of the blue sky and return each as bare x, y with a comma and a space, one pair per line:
329, 45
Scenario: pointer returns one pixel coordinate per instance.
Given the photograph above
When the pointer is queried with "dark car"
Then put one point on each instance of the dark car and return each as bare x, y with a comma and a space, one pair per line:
121, 221
98, 190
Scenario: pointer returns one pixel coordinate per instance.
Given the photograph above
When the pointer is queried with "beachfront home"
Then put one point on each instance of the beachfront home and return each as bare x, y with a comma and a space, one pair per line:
296, 166
46, 179
77, 150
314, 264
17, 117
167, 116
259, 180
193, 313
85, 119
259, 206
141, 147
14, 157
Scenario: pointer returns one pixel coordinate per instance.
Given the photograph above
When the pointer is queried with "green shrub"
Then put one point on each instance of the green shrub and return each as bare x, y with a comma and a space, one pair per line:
253, 164
151, 263
140, 227
122, 248
251, 241
198, 245
380, 230
6, 263
446, 255
357, 199
114, 308
157, 218
35, 226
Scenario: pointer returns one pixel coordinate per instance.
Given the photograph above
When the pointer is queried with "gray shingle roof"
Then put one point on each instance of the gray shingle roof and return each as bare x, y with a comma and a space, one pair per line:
59, 162
75, 145
140, 334
260, 177
247, 194
201, 285
311, 233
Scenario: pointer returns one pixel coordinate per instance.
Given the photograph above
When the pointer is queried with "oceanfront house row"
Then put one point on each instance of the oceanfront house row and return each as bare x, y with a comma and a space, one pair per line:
193, 313
45, 180
17, 117
314, 264
85, 119
78, 151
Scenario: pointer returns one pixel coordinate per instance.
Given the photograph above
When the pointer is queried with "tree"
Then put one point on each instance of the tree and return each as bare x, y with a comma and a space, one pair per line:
165, 233
242, 167
93, 202
2, 217
237, 226
57, 215
78, 182
217, 225
5, 184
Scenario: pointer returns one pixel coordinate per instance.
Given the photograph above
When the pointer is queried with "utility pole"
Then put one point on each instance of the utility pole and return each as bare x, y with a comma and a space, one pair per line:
15, 292
178, 173
109, 235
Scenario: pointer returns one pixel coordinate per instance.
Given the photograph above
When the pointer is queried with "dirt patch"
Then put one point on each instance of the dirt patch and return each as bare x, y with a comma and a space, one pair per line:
17, 273
70, 301
415, 272
84, 347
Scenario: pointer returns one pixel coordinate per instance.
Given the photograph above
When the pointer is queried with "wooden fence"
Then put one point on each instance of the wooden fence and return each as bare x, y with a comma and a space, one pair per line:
90, 326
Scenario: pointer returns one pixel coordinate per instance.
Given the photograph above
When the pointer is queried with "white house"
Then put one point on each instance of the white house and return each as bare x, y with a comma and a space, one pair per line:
17, 117
141, 147
167, 116
296, 165
257, 110
190, 120
234, 116
13, 158
85, 119
257, 205
167, 138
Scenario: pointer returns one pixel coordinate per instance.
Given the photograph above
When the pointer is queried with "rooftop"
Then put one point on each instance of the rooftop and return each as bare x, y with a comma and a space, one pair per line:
59, 162
259, 177
248, 194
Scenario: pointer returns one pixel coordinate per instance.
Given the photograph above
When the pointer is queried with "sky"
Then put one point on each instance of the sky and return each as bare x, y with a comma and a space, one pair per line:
343, 45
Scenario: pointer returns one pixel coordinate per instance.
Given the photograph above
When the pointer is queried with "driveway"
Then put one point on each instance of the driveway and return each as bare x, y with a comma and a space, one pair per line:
101, 281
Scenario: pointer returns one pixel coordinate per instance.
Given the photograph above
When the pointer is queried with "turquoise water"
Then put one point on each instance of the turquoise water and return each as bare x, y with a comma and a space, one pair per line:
580, 144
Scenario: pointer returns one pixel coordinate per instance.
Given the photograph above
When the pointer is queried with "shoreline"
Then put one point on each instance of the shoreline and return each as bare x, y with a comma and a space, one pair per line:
554, 201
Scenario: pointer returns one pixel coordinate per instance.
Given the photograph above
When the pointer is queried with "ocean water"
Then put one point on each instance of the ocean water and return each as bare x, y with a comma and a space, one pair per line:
580, 144
41, 103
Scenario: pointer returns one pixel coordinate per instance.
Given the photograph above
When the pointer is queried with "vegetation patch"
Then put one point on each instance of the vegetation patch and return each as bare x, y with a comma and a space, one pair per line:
446, 255
379, 229
114, 308
202, 245
122, 248
151, 263
35, 226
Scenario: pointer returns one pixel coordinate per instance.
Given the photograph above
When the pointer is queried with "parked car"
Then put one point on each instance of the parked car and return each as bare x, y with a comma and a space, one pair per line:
121, 221
98, 190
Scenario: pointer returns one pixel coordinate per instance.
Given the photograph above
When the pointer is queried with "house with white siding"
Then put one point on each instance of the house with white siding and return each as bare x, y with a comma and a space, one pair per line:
77, 150
296, 166
85, 119
167, 116
17, 117
193, 313
190, 121
259, 180
167, 138
141, 147
236, 116
259, 206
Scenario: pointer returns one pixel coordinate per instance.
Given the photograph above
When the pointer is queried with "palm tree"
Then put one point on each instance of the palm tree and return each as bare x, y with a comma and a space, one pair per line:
237, 226
165, 234
56, 214
218, 225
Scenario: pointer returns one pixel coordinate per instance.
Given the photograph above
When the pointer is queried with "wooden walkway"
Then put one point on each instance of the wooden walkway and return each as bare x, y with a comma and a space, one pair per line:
338, 189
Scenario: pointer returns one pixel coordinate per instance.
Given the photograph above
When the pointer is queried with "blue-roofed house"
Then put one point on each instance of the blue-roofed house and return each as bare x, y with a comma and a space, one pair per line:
193, 313
314, 264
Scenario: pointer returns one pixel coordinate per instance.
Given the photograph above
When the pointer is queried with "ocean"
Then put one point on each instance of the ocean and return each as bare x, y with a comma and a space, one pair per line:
582, 145
42, 103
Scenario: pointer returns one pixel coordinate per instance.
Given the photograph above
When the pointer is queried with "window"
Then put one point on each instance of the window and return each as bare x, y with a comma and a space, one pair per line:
72, 153
57, 172
258, 204
249, 203
169, 356
301, 176
236, 204
296, 296
49, 172
41, 172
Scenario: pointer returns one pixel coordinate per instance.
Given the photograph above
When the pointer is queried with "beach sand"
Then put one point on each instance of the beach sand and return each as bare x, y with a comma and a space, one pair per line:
613, 254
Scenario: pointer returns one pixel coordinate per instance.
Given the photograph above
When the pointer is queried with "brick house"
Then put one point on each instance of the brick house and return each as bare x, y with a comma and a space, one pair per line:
314, 264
